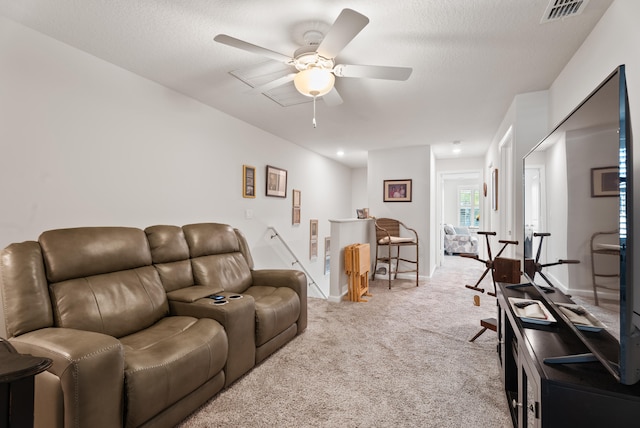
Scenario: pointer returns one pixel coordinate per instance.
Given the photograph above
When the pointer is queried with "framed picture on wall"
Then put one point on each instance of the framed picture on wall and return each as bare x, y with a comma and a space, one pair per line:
295, 216
605, 182
397, 190
276, 182
248, 181
313, 238
327, 255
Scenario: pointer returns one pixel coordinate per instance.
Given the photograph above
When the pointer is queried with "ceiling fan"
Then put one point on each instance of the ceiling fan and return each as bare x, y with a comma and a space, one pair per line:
314, 67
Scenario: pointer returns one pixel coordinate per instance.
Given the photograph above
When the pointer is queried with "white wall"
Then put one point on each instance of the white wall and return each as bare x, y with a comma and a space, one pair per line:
570, 209
87, 143
613, 41
359, 192
525, 124
415, 163
586, 149
557, 214
456, 165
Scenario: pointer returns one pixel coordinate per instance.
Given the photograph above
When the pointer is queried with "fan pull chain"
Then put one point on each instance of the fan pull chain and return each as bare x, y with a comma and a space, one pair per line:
314, 112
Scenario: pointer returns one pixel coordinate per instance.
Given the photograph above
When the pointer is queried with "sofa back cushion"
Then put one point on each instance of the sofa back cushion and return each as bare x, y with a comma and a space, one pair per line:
462, 230
216, 257
85, 251
244, 248
101, 279
170, 255
117, 303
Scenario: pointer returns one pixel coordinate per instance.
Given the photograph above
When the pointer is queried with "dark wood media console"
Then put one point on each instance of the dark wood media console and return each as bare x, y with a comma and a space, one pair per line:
557, 395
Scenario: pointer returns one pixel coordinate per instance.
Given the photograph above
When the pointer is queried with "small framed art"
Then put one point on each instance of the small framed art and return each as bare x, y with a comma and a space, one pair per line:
248, 181
327, 255
362, 213
397, 190
313, 238
295, 217
276, 182
605, 182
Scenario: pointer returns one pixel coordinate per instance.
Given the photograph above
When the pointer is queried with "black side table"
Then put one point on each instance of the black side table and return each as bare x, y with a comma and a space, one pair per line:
17, 372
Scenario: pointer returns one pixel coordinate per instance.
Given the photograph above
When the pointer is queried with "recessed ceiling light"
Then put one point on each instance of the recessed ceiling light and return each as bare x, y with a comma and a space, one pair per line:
340, 153
456, 147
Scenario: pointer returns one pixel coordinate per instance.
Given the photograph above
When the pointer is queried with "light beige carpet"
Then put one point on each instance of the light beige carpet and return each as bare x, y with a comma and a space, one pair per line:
402, 359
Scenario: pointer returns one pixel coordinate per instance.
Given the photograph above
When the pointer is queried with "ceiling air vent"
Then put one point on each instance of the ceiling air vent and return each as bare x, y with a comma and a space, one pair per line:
560, 9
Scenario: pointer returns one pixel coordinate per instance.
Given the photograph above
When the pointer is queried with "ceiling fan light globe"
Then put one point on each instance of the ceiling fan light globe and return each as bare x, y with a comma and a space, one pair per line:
314, 82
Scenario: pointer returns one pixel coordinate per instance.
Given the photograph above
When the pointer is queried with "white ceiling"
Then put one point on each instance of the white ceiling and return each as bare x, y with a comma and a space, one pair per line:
469, 59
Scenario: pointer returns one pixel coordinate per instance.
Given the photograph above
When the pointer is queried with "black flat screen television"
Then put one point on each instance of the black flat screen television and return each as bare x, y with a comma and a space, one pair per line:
578, 199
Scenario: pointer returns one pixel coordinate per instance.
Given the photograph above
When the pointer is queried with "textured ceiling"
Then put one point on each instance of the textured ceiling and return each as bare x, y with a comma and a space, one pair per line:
469, 59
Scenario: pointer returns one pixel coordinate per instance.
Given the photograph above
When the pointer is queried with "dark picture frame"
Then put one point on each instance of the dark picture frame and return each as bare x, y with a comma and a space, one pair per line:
605, 182
397, 190
248, 181
276, 182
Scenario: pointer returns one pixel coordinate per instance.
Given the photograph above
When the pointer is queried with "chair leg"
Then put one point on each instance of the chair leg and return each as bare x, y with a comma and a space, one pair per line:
417, 266
487, 323
478, 334
390, 265
375, 267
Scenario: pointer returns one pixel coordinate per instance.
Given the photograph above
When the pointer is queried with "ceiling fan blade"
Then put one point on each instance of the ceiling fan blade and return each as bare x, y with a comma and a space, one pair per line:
373, 71
249, 47
273, 84
348, 24
332, 98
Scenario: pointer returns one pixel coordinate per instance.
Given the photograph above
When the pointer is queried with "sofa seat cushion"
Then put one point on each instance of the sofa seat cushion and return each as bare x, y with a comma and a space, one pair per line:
169, 360
277, 308
457, 244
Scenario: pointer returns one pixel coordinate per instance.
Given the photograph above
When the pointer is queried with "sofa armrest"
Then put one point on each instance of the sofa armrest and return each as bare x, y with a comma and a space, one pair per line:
90, 367
293, 279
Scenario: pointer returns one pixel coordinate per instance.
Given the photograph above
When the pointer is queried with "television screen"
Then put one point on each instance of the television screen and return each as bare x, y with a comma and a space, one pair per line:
578, 201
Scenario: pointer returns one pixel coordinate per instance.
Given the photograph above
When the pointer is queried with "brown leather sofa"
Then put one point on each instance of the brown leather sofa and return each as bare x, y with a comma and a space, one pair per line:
127, 318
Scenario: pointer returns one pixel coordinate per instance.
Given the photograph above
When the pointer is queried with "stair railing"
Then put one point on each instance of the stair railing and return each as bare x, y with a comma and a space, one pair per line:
310, 280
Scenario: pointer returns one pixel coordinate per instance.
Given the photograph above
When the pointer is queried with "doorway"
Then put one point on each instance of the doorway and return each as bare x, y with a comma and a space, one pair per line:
460, 203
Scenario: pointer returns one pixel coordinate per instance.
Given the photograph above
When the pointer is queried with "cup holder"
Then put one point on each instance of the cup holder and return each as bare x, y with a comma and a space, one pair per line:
220, 302
235, 296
